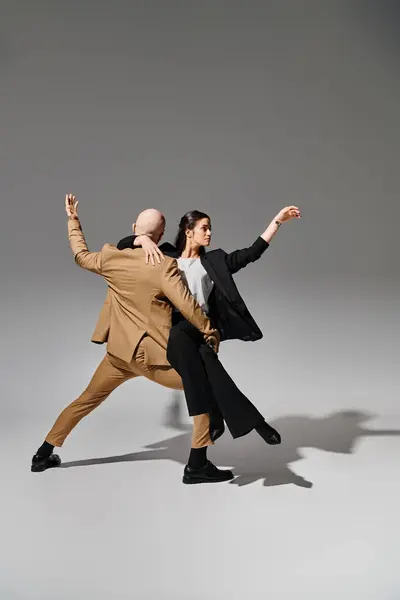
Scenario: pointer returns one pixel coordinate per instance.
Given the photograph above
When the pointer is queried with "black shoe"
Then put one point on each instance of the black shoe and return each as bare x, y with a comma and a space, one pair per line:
217, 425
268, 434
207, 474
273, 438
41, 463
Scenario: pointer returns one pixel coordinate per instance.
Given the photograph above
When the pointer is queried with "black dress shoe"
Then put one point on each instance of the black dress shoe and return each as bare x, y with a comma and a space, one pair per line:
268, 433
207, 474
41, 463
273, 438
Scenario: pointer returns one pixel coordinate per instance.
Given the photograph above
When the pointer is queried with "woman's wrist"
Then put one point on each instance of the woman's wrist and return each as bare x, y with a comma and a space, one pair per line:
137, 241
271, 230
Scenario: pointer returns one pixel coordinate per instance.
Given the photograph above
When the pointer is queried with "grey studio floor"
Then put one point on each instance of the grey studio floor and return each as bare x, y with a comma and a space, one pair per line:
314, 518
237, 109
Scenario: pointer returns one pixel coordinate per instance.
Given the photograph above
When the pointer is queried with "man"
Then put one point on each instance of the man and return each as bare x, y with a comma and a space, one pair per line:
208, 388
136, 329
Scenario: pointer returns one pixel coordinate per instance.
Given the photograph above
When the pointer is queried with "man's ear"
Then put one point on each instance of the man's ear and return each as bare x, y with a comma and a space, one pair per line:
134, 228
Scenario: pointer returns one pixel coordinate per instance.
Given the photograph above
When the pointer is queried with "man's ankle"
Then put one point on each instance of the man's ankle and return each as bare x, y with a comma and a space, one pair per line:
197, 458
45, 450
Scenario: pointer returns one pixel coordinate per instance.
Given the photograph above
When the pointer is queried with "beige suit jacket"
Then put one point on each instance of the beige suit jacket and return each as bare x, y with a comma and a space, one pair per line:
139, 300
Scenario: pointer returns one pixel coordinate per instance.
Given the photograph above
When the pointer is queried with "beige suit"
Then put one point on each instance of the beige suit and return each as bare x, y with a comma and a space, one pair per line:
135, 322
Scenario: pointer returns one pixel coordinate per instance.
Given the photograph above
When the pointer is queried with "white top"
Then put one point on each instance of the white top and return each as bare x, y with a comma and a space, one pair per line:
197, 279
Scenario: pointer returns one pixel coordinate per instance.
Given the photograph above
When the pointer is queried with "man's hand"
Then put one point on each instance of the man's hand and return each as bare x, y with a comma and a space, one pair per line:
71, 206
151, 250
213, 341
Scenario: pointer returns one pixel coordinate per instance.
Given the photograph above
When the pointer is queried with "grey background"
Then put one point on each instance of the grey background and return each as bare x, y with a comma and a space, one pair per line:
237, 109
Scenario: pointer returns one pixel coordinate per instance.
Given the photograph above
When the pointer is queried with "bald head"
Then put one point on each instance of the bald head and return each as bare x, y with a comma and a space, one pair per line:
150, 222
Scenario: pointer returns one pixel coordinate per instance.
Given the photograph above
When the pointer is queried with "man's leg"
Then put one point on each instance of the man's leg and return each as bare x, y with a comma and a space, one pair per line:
198, 468
240, 415
107, 377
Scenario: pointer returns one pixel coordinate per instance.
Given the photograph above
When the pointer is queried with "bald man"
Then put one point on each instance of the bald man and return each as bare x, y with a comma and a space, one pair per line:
135, 322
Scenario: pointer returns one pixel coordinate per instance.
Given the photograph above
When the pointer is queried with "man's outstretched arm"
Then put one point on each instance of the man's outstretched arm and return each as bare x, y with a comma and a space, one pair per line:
85, 259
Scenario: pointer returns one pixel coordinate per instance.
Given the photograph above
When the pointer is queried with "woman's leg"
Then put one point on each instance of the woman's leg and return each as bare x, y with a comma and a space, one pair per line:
240, 415
183, 353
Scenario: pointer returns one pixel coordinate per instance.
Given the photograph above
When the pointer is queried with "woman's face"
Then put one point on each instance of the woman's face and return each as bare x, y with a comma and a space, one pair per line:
201, 234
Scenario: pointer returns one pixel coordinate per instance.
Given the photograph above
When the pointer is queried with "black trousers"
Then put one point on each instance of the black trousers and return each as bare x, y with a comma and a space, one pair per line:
208, 387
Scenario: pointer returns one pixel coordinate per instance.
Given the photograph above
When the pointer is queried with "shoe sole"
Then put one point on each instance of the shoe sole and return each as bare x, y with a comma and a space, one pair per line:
190, 481
40, 469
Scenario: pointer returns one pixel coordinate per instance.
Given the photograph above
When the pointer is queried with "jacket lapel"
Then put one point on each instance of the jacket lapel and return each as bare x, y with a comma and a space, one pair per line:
214, 275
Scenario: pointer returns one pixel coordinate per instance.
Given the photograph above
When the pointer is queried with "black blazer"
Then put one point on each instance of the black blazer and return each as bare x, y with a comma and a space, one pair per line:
227, 309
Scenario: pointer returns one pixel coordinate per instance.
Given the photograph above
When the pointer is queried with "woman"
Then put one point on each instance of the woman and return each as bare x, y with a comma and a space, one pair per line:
209, 277
209, 274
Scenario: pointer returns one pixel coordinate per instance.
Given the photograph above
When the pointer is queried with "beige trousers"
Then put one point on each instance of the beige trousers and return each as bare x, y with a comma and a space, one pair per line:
109, 375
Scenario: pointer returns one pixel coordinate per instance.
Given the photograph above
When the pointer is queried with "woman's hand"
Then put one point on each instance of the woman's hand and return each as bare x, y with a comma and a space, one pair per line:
151, 250
288, 213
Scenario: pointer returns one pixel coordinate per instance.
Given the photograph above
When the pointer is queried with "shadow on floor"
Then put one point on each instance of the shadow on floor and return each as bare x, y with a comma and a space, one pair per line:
249, 456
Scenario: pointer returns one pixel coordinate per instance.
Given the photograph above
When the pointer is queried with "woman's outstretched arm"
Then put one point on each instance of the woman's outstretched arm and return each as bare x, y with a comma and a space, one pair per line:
284, 215
241, 258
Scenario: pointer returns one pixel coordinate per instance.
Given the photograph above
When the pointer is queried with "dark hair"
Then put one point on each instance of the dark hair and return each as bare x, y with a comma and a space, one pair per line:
188, 221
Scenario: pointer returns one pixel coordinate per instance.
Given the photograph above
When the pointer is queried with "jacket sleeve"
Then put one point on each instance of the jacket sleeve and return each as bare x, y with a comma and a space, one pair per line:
241, 258
126, 242
178, 293
92, 261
